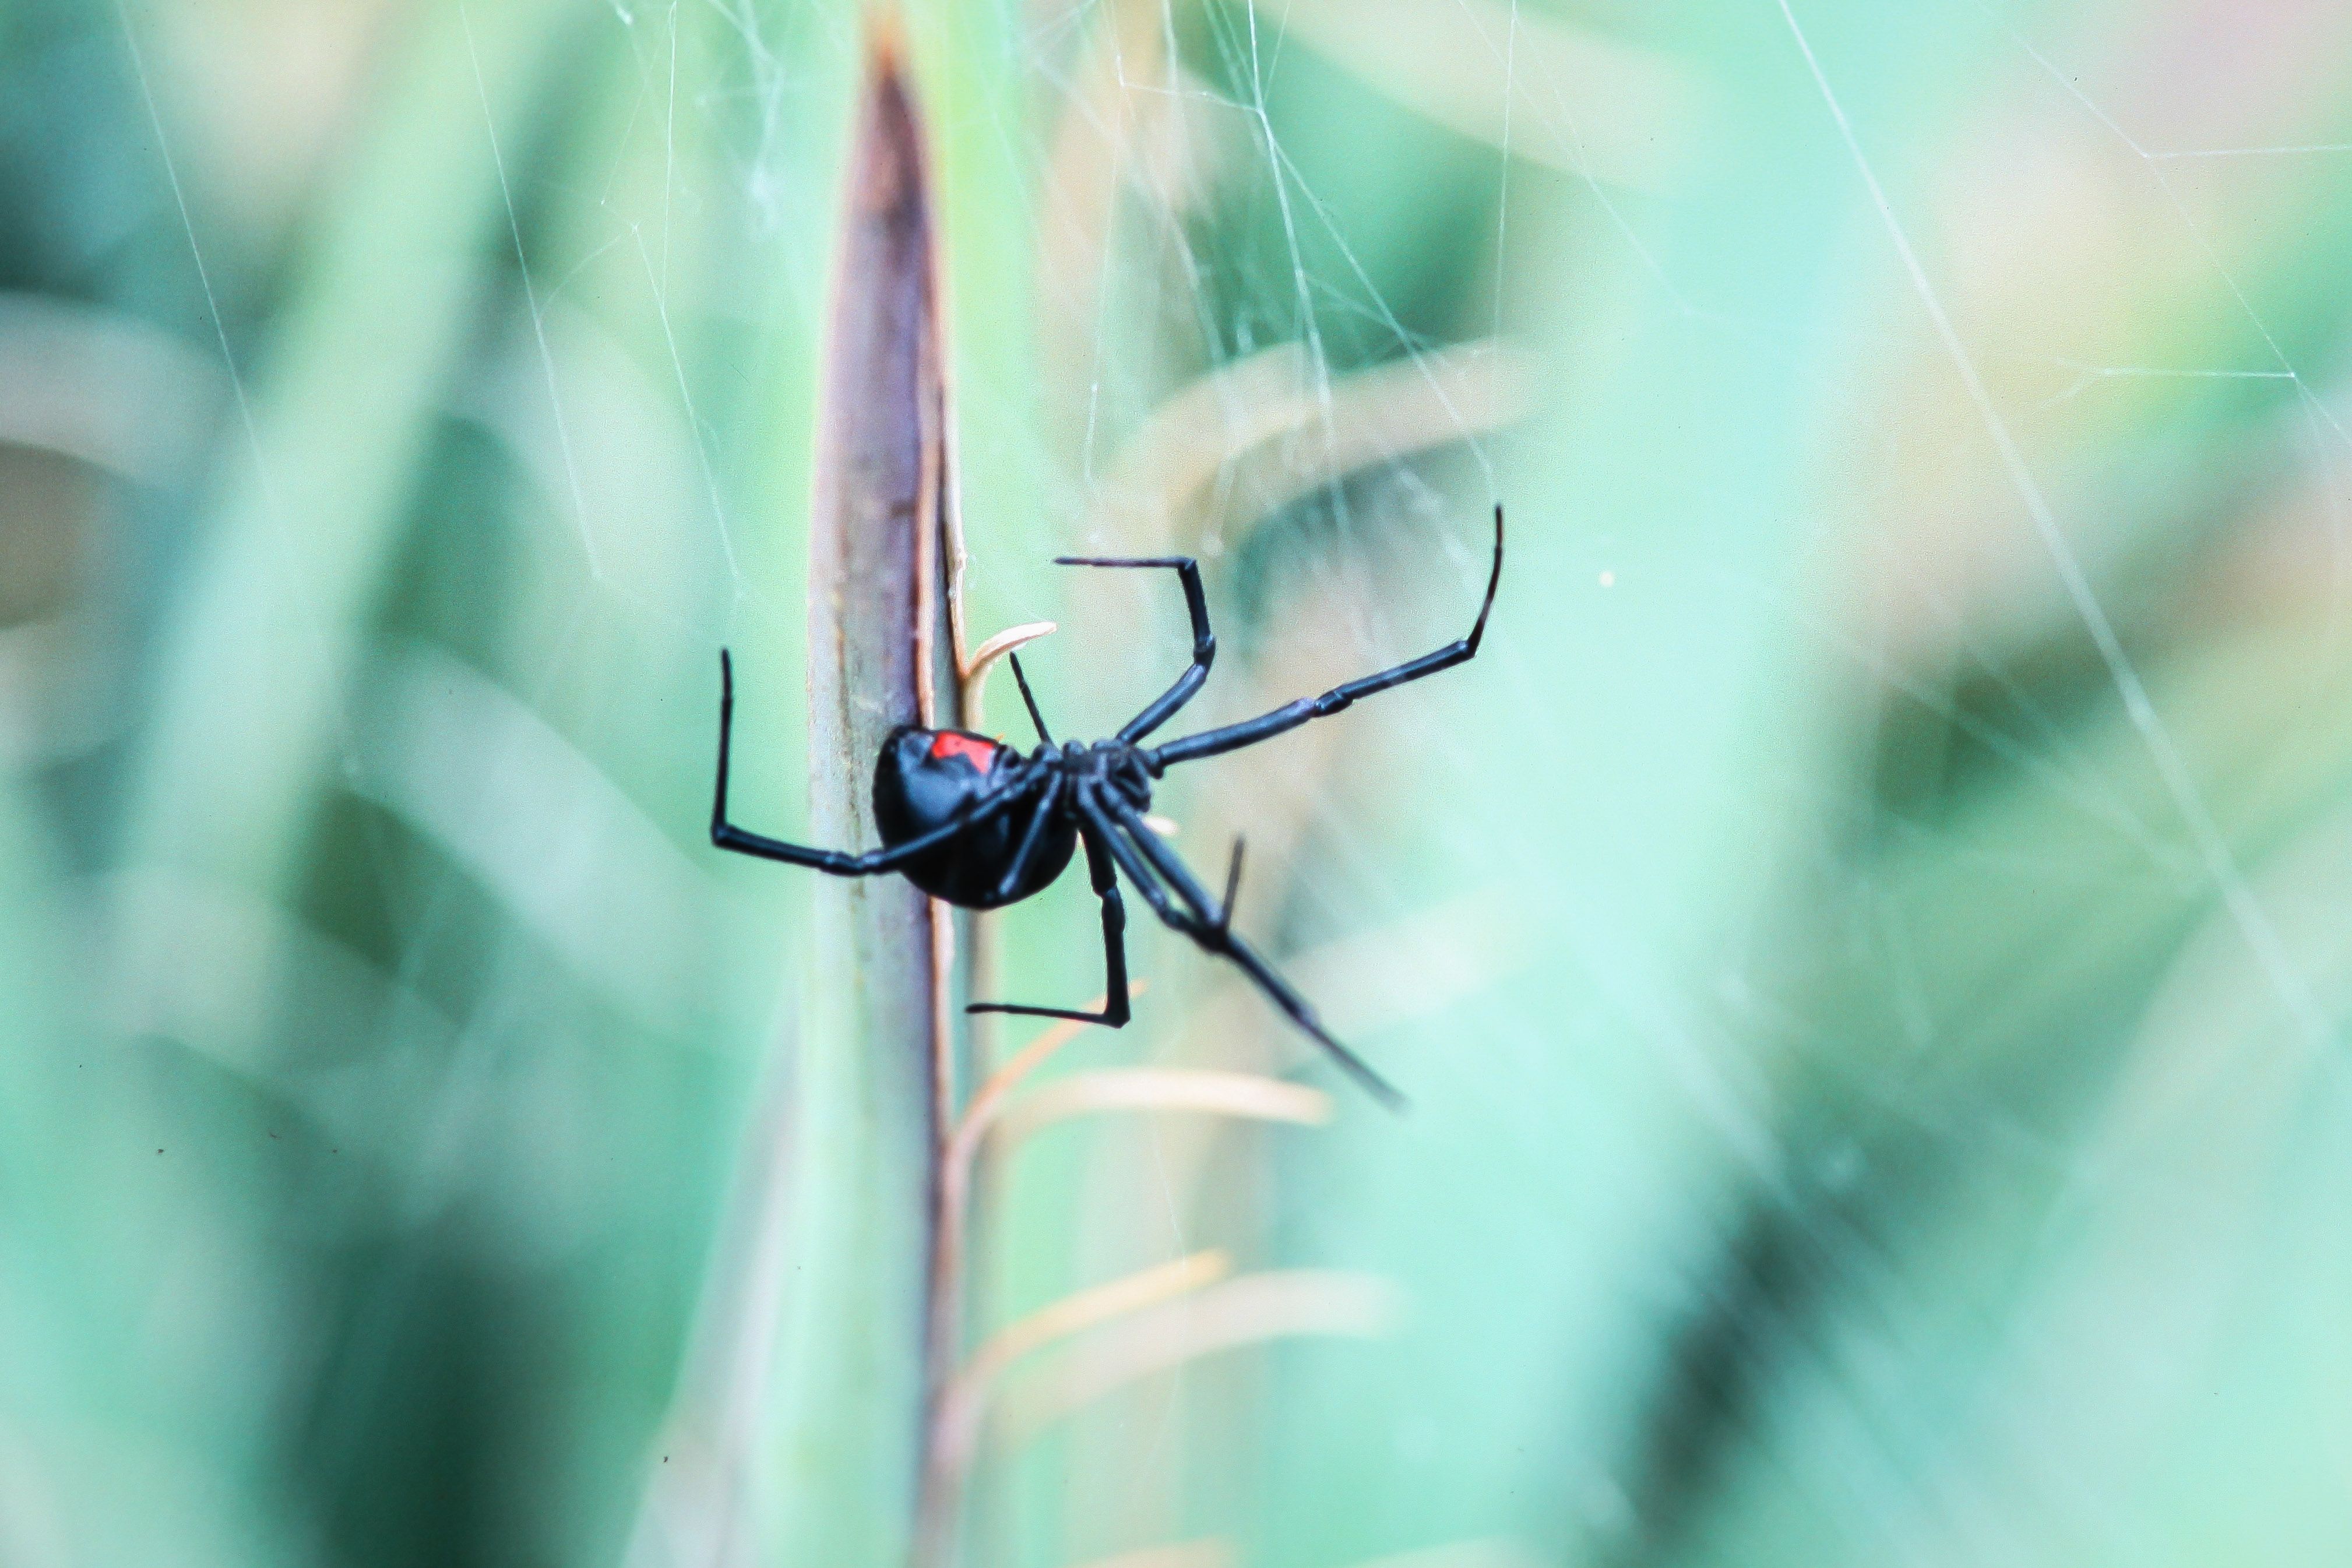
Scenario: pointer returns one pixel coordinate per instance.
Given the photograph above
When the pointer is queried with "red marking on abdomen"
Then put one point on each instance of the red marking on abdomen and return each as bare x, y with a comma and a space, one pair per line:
980, 754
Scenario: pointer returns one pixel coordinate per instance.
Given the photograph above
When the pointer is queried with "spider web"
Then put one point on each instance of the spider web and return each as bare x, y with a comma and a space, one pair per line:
1861, 938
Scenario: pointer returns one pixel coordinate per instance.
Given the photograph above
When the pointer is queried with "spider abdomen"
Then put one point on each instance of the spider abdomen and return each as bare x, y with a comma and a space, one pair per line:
925, 778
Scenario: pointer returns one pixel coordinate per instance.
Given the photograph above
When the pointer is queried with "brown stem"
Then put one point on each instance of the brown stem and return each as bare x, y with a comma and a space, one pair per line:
878, 1316
892, 336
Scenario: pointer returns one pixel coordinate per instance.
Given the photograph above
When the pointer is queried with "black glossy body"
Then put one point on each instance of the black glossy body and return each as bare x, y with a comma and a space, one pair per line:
979, 824
927, 778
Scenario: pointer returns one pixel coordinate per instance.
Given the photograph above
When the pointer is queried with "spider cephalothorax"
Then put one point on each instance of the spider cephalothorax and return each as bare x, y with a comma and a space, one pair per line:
981, 824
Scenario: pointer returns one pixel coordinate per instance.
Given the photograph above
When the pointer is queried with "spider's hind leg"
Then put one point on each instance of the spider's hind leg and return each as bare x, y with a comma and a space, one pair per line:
1114, 1012
1145, 859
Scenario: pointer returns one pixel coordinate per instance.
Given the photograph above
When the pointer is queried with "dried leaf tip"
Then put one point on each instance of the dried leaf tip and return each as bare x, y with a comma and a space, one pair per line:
885, 39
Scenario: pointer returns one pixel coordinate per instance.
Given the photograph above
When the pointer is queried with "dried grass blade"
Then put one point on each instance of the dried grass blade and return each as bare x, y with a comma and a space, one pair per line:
1213, 1553
872, 1315
1274, 423
984, 658
956, 1174
988, 1102
1248, 1311
956, 1432
1487, 1553
1249, 1096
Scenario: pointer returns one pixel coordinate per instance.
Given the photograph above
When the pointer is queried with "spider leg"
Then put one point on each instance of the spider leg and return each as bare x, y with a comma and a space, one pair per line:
1114, 930
1204, 642
1249, 732
1143, 857
836, 862
1151, 862
1032, 835
1030, 703
1232, 885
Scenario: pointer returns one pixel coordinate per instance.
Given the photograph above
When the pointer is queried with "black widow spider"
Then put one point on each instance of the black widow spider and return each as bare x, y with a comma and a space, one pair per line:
979, 824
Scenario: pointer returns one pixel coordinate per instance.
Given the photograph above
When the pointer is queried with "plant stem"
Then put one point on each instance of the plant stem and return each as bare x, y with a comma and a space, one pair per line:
871, 1317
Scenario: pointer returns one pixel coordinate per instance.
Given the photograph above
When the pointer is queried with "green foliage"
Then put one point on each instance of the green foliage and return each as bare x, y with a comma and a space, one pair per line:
1863, 941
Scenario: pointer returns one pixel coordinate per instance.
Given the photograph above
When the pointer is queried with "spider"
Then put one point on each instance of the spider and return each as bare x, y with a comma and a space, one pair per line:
978, 823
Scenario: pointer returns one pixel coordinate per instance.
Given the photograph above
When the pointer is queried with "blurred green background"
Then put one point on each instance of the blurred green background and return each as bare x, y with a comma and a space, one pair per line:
1867, 942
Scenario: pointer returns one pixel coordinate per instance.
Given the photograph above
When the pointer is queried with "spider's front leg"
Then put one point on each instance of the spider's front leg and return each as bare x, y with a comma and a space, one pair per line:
1114, 1012
1204, 642
1290, 716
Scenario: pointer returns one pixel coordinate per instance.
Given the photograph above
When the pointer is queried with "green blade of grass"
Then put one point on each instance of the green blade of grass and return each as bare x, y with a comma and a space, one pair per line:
307, 510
